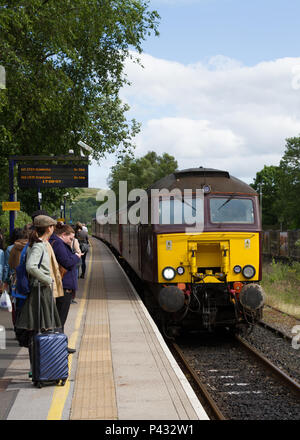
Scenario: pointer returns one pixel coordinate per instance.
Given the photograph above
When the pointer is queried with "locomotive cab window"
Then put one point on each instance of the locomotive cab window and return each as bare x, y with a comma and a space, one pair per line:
177, 211
231, 210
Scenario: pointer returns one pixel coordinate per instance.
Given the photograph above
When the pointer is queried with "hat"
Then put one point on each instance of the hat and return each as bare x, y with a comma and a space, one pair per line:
44, 220
39, 212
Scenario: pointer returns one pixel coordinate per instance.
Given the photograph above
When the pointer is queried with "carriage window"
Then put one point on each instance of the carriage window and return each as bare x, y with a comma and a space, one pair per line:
230, 210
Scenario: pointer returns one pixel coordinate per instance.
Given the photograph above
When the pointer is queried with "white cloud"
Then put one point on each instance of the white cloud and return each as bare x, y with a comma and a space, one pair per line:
216, 113
187, 139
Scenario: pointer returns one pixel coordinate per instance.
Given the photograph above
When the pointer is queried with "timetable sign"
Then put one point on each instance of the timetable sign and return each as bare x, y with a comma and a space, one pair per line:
50, 176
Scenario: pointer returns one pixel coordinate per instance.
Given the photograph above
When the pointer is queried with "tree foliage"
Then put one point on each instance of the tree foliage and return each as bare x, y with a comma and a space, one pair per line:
84, 210
280, 186
267, 184
141, 172
64, 65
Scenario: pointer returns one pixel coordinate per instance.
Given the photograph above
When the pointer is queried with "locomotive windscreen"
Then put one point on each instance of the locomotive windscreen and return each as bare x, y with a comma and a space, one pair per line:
230, 210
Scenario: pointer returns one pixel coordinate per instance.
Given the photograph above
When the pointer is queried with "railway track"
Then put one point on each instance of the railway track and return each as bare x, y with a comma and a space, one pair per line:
236, 382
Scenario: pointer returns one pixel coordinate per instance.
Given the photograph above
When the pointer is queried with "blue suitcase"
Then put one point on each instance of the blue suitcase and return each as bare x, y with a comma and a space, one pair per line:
49, 356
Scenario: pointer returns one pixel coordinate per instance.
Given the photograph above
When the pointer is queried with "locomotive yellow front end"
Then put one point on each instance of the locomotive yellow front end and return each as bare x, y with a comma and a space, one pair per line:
211, 277
215, 272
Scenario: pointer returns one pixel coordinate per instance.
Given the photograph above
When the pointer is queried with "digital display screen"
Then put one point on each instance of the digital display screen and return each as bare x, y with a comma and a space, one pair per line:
49, 176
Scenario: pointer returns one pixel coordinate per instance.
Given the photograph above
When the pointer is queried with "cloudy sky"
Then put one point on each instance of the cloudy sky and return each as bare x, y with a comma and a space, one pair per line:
220, 87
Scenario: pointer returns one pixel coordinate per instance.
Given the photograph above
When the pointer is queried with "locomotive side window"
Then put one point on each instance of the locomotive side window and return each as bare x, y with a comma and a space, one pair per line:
231, 210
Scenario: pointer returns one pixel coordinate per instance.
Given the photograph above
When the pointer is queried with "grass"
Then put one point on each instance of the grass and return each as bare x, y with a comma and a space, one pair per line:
85, 193
281, 283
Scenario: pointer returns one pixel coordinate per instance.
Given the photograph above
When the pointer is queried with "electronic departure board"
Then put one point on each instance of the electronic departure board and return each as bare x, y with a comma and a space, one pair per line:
49, 176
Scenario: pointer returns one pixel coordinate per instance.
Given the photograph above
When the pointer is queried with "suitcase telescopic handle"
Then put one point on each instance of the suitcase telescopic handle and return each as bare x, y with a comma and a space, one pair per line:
39, 307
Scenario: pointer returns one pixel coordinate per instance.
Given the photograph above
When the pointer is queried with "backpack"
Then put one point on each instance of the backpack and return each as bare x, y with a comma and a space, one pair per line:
84, 247
22, 289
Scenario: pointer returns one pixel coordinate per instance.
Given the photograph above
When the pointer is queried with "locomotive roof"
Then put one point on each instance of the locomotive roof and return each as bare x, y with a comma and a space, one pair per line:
193, 178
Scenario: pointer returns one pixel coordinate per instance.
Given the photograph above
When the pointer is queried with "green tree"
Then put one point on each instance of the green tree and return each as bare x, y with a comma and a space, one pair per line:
84, 210
281, 188
268, 183
141, 172
64, 64
290, 183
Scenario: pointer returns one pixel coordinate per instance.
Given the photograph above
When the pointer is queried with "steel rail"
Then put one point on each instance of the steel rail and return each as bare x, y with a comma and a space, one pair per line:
294, 385
202, 388
275, 330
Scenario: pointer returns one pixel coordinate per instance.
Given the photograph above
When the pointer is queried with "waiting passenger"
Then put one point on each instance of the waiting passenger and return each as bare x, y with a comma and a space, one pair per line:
2, 258
42, 267
61, 241
19, 239
83, 239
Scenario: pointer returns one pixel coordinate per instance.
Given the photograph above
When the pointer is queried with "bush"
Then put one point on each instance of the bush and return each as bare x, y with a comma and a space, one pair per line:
281, 283
21, 219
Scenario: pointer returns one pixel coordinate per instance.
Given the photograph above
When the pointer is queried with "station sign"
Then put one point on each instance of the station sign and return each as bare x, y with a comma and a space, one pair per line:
11, 206
50, 176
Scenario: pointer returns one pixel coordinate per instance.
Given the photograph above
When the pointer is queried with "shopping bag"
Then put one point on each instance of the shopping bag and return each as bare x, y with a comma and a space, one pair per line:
5, 302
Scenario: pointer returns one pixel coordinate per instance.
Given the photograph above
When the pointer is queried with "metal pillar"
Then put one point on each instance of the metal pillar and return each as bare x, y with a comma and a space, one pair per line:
11, 196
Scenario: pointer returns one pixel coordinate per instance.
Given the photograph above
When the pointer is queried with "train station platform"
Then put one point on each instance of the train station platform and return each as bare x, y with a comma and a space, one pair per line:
122, 369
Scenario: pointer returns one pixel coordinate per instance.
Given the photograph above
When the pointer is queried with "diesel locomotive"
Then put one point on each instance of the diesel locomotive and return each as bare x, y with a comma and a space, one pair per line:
198, 276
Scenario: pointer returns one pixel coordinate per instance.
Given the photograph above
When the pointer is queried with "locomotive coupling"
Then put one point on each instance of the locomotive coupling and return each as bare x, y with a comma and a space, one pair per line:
171, 299
252, 297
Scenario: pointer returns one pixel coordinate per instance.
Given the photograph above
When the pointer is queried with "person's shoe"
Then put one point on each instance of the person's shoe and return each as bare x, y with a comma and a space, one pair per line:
73, 301
81, 276
71, 350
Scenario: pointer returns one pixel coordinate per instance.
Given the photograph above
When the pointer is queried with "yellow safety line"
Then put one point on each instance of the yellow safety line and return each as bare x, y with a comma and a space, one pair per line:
61, 392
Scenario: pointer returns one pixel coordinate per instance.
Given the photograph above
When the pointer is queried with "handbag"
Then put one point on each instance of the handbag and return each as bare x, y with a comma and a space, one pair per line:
62, 271
5, 302
84, 247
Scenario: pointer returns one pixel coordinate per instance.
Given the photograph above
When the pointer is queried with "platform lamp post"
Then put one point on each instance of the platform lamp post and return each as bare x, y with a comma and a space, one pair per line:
11, 195
65, 198
39, 199
71, 204
61, 210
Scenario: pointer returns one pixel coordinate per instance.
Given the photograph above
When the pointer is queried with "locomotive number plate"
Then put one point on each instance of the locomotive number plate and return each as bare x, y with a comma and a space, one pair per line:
169, 245
247, 243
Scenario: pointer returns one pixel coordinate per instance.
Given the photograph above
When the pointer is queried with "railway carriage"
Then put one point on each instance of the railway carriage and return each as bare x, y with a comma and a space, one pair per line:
201, 276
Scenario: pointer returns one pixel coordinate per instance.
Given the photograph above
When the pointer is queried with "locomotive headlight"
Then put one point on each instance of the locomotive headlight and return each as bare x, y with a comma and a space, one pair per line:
248, 271
180, 270
237, 269
168, 273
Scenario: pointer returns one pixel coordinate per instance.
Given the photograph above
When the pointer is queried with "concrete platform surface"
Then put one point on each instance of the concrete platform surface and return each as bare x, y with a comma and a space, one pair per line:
122, 369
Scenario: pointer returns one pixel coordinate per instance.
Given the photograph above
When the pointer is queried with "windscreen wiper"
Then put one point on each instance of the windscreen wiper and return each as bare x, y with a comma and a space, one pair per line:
226, 201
